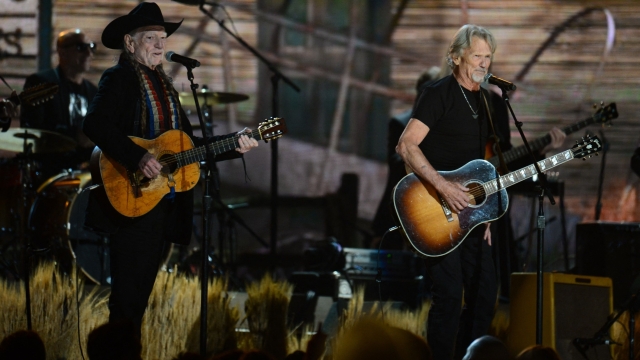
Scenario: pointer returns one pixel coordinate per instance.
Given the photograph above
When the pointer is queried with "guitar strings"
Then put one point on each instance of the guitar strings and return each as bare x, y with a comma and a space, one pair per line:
201, 150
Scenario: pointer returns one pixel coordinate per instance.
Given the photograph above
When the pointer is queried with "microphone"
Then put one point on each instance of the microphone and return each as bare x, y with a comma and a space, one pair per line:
501, 83
190, 2
188, 62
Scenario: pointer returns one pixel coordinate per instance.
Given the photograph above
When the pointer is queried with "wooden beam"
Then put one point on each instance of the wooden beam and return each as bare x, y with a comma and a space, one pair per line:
338, 115
202, 25
309, 71
229, 85
329, 35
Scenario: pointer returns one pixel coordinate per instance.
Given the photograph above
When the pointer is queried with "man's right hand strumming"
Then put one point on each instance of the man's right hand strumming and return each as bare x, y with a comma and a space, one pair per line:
149, 166
455, 194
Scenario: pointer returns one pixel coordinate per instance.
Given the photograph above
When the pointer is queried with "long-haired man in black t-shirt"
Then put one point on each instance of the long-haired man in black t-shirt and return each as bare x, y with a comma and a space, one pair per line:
449, 128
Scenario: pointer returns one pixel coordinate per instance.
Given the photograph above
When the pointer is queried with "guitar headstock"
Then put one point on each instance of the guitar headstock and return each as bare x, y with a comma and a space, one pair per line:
586, 147
605, 114
272, 128
38, 94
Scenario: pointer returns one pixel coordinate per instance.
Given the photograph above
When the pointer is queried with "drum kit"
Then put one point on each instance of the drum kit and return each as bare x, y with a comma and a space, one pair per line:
49, 212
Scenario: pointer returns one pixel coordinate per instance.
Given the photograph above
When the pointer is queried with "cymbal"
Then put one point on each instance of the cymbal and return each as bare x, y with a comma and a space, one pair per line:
209, 97
41, 141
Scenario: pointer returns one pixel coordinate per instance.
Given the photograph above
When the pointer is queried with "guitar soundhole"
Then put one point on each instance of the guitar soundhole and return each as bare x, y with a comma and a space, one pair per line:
169, 164
477, 193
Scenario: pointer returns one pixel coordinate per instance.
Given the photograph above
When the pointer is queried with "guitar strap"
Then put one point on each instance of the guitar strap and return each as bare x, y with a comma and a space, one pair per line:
503, 165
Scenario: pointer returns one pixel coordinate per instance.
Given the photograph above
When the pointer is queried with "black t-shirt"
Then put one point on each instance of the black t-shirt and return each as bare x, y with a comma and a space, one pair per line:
454, 137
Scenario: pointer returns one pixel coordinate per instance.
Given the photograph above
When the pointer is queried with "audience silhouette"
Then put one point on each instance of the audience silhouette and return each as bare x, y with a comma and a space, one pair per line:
487, 348
114, 340
21, 345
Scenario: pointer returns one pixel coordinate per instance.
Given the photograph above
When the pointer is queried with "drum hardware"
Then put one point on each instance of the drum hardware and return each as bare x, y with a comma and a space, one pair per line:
35, 141
208, 97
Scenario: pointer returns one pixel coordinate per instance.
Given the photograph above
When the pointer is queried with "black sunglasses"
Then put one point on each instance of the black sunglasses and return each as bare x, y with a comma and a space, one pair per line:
82, 47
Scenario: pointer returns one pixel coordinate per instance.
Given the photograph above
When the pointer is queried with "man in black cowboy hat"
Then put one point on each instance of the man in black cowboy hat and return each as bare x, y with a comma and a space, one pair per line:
136, 98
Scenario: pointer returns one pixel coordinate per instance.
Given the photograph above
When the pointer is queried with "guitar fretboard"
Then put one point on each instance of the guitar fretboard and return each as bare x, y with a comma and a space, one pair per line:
218, 147
512, 178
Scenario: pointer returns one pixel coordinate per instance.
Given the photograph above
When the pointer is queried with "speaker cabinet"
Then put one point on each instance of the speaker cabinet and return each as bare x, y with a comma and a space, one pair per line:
574, 306
610, 249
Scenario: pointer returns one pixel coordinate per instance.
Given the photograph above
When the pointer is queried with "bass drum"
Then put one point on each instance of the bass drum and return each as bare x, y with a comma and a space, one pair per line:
56, 221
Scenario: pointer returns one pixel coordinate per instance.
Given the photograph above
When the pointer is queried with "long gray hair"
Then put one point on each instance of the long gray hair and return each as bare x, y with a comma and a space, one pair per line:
462, 41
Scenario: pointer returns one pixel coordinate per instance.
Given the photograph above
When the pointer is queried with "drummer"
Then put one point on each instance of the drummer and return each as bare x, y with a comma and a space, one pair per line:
65, 112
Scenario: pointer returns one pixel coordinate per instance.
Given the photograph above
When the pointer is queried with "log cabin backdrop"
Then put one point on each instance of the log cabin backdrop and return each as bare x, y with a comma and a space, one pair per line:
356, 62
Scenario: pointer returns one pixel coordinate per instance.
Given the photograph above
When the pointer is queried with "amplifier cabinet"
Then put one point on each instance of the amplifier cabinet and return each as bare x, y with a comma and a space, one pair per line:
610, 249
574, 306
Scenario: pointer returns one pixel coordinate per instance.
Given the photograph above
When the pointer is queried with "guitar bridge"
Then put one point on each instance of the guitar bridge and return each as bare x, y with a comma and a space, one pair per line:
445, 208
135, 184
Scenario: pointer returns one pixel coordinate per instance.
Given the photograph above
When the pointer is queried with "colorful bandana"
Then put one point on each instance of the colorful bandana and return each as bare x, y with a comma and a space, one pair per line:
158, 121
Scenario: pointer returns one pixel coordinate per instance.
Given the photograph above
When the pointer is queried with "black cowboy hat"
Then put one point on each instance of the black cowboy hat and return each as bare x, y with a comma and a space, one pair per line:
145, 14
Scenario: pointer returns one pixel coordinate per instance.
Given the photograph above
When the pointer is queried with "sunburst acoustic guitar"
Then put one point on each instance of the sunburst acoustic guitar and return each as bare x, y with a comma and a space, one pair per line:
133, 195
434, 230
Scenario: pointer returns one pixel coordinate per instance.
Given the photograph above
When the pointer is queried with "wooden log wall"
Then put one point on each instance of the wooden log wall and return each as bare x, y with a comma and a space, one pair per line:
558, 90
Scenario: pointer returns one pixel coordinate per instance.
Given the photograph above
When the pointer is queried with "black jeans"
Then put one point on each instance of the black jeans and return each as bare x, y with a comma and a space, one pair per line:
469, 267
136, 253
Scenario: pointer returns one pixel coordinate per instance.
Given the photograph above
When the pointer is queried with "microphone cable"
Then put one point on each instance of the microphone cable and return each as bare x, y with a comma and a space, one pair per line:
379, 270
77, 268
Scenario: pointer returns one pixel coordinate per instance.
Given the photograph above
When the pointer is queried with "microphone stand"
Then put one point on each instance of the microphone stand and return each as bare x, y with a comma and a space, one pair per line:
277, 75
26, 186
630, 305
543, 188
212, 169
605, 148
224, 211
206, 206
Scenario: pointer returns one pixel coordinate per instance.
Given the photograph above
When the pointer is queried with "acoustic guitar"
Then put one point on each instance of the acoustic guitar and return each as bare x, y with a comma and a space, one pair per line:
133, 195
433, 229
604, 115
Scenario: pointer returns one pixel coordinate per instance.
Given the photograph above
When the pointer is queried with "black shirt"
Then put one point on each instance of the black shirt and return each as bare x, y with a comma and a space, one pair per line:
454, 137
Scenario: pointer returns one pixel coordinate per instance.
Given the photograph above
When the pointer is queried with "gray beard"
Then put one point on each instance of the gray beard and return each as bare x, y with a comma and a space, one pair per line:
477, 78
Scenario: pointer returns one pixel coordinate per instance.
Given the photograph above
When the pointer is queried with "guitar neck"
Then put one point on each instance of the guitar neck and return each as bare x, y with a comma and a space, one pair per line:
526, 172
539, 143
221, 146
